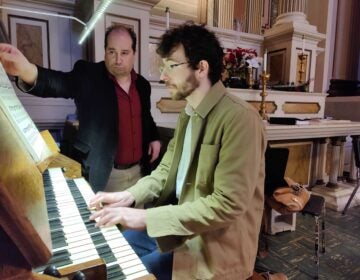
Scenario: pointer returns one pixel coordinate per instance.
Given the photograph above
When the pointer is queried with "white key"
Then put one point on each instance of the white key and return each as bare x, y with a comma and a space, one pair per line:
80, 244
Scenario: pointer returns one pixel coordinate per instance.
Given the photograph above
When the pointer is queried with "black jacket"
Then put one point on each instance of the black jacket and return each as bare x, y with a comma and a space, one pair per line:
95, 98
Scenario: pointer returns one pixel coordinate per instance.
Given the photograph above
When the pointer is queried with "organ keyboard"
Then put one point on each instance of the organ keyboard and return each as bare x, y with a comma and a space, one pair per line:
75, 238
34, 231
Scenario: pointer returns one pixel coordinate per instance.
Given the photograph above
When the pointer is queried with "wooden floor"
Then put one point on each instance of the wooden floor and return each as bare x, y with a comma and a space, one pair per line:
292, 252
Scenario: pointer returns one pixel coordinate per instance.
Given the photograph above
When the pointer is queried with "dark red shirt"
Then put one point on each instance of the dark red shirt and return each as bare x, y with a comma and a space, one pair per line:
129, 148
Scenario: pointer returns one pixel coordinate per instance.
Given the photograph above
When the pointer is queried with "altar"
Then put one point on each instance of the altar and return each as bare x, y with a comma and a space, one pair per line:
319, 151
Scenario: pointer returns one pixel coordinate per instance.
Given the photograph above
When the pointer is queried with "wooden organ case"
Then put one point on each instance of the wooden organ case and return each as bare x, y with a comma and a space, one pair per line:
25, 239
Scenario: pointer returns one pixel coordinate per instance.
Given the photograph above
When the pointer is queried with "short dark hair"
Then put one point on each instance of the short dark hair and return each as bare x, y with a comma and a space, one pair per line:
199, 44
129, 30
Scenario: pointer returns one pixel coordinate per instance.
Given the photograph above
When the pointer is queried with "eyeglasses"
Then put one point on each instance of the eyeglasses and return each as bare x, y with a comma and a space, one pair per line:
168, 68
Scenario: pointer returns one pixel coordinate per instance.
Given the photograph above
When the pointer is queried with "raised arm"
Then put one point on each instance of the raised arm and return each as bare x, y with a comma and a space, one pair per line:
16, 64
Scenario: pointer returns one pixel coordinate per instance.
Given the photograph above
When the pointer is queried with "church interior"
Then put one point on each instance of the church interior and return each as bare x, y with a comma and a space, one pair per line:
296, 61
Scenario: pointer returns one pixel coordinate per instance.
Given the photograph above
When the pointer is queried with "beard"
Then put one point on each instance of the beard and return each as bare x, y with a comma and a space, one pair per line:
180, 92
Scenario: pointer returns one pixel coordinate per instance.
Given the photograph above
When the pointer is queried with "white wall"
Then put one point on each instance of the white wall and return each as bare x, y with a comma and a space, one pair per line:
62, 49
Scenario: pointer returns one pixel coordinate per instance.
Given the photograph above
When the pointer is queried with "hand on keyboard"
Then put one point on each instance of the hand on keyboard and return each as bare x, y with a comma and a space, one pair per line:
128, 217
113, 199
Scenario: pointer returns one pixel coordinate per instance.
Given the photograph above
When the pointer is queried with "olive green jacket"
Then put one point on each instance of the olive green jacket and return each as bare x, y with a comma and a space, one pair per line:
214, 228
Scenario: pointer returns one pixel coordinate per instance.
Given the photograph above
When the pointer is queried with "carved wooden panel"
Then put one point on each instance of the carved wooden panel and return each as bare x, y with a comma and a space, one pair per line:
270, 106
299, 161
167, 105
301, 108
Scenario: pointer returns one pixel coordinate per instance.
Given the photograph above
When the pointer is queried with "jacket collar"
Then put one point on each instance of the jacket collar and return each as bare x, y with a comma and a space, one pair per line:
216, 92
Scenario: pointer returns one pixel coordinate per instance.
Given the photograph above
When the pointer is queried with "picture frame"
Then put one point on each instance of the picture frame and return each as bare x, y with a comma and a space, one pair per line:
134, 24
4, 37
155, 62
31, 37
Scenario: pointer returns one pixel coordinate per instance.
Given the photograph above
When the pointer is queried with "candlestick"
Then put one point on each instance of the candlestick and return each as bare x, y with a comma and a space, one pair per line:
265, 60
264, 77
167, 12
302, 67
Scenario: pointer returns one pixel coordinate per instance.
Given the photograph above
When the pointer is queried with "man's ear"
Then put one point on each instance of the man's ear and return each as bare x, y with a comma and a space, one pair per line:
203, 68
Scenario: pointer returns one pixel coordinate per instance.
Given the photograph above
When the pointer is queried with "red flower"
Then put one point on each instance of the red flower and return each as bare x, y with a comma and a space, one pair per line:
236, 58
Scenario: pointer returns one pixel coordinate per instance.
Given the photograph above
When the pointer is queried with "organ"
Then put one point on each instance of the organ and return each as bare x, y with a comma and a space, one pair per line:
44, 220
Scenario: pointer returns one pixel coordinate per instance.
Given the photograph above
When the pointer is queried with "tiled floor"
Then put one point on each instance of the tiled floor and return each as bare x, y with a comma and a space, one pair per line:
292, 252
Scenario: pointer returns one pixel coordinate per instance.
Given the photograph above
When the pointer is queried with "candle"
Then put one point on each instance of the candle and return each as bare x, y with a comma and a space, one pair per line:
167, 11
265, 60
303, 44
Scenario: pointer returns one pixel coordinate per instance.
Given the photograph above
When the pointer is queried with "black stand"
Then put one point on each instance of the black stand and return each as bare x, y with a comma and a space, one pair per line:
356, 148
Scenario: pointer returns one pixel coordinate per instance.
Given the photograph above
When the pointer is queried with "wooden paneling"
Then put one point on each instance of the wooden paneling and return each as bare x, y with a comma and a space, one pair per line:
301, 108
299, 161
270, 106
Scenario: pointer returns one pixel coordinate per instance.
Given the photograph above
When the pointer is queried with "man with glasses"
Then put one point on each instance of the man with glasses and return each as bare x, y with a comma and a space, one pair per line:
208, 188
117, 137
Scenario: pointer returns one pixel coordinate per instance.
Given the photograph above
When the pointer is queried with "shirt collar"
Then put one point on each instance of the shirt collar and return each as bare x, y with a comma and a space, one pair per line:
216, 92
189, 110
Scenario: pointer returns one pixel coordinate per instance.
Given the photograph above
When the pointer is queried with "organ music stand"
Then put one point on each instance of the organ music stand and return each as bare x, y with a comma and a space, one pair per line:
24, 230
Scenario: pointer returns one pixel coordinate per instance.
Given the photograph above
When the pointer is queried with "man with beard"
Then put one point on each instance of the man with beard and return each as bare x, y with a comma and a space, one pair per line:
208, 188
117, 137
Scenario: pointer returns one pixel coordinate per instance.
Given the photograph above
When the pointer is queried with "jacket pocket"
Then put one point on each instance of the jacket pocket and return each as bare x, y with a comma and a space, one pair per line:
80, 153
208, 159
81, 146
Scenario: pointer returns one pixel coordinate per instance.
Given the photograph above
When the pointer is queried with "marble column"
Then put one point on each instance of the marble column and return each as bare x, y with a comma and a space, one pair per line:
289, 6
353, 168
321, 161
291, 11
336, 143
341, 159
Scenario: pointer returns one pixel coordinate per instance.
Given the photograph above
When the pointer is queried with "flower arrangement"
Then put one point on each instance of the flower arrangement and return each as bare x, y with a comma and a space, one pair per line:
236, 63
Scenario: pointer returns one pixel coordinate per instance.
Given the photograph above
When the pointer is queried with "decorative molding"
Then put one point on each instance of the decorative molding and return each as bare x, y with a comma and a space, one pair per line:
183, 9
229, 38
147, 2
270, 107
164, 110
301, 108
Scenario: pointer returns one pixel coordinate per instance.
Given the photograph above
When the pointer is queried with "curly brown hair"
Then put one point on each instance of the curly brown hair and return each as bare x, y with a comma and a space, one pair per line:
199, 44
